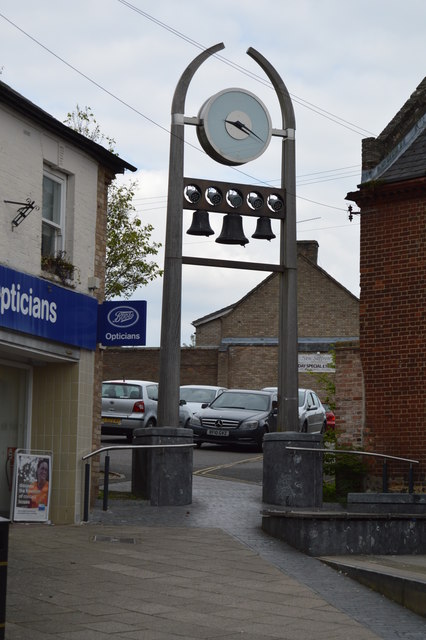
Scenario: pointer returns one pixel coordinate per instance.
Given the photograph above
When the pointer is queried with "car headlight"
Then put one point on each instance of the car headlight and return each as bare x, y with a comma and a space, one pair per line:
195, 421
250, 424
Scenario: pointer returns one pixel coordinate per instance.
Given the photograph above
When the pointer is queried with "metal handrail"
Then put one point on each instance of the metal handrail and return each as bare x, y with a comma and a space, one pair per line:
135, 446
369, 453
106, 468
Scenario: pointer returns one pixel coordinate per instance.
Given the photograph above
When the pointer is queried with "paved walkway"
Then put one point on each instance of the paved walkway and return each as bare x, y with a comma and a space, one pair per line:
172, 573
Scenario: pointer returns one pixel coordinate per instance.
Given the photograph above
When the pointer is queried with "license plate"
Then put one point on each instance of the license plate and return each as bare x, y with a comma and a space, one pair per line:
112, 420
217, 432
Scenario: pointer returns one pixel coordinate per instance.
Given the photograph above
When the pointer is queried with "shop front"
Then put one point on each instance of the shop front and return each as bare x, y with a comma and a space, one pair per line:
47, 353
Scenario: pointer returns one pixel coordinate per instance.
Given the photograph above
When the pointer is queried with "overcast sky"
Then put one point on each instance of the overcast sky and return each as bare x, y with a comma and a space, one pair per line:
349, 66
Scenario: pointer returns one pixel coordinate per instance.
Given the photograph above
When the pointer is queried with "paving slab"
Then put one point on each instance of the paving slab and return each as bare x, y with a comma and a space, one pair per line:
205, 570
400, 578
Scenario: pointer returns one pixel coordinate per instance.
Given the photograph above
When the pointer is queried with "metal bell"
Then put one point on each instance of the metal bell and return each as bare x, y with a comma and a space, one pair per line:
264, 229
200, 224
232, 230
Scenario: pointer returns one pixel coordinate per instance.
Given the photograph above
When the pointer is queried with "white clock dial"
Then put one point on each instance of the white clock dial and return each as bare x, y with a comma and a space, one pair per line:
235, 127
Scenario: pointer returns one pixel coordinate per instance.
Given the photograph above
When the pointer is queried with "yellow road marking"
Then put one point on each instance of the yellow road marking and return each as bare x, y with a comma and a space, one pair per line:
206, 470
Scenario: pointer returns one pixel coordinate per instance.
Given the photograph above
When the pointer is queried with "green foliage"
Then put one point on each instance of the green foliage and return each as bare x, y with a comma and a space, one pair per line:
60, 266
342, 473
329, 490
328, 386
129, 243
83, 121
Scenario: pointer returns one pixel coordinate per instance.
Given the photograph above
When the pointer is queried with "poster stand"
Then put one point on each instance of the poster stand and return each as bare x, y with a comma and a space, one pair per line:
32, 481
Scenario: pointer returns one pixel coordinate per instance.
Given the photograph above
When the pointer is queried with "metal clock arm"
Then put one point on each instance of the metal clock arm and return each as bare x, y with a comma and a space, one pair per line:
243, 127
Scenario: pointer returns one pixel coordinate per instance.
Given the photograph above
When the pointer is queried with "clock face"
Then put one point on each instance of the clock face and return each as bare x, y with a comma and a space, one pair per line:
235, 127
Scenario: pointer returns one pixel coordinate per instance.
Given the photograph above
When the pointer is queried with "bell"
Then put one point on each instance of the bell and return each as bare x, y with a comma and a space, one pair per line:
200, 224
263, 229
232, 230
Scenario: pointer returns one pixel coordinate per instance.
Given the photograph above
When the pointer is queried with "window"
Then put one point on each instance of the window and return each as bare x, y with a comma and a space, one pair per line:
53, 217
152, 391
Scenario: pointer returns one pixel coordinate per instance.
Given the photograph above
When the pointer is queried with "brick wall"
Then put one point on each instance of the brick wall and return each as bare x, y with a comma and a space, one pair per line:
349, 396
209, 334
198, 365
393, 321
325, 309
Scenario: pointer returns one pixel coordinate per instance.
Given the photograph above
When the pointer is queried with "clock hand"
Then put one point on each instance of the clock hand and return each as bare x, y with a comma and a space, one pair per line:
243, 127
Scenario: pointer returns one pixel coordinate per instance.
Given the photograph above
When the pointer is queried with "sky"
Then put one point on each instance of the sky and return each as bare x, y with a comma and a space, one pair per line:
349, 66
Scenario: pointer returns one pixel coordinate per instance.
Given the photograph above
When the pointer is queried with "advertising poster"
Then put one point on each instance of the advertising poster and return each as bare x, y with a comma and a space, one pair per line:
319, 362
32, 486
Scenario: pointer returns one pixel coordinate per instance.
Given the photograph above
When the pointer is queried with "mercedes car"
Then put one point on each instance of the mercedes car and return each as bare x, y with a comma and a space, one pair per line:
236, 416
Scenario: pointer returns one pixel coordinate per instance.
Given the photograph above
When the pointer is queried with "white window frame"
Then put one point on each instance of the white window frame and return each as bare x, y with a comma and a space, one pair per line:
59, 228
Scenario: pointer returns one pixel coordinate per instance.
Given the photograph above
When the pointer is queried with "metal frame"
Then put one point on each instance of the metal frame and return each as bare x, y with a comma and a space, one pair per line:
169, 378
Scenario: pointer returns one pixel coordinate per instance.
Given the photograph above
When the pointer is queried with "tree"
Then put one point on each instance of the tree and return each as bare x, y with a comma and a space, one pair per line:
129, 244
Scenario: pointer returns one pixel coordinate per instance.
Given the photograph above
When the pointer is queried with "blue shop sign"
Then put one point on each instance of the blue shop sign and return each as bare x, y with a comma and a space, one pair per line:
122, 323
40, 308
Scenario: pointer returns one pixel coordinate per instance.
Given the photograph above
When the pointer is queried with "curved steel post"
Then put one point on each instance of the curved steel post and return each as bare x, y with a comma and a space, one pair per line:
169, 378
288, 419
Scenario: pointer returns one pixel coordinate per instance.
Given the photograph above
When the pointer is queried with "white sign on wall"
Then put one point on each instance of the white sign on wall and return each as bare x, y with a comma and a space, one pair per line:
318, 362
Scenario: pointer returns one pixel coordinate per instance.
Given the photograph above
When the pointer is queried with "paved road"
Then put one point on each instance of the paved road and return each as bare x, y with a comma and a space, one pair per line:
234, 463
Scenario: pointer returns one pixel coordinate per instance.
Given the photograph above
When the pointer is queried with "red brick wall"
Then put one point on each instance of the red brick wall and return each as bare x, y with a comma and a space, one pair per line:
349, 396
198, 366
393, 324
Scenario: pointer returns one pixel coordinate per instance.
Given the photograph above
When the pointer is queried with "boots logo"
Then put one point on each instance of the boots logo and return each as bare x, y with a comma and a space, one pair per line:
123, 317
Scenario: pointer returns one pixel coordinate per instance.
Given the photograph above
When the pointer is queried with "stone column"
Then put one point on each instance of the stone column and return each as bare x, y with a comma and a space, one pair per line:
163, 476
292, 478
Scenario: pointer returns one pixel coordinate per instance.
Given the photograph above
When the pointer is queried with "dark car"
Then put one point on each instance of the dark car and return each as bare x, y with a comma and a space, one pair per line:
237, 416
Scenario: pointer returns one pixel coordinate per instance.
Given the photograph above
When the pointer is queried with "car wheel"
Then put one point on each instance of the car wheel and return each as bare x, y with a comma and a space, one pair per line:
150, 424
304, 427
130, 438
198, 445
324, 427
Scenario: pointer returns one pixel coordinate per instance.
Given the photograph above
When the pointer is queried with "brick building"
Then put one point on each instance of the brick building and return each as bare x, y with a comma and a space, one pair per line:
246, 333
238, 346
392, 201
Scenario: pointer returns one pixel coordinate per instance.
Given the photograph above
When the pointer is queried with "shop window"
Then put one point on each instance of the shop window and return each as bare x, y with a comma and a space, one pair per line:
53, 217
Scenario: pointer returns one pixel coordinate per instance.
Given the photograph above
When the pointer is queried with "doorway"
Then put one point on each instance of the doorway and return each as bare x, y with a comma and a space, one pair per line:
14, 424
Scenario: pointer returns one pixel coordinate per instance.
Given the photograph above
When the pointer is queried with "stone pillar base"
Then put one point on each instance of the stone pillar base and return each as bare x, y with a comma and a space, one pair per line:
292, 478
163, 476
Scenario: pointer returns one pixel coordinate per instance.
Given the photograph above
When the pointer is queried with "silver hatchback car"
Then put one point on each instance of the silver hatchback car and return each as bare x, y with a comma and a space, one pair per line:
132, 404
312, 415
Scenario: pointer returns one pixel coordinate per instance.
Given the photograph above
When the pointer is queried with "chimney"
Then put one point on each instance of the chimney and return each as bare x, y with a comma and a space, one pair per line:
309, 249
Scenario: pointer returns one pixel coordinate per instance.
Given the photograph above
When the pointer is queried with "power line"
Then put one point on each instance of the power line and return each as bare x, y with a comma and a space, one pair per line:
142, 199
126, 104
308, 105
